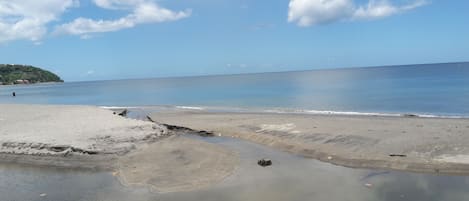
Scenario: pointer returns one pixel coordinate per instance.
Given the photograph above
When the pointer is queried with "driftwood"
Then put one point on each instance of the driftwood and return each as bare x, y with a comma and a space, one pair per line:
397, 155
184, 129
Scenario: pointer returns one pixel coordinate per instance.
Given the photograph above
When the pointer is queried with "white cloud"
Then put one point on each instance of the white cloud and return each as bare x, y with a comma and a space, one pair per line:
118, 4
314, 12
28, 19
311, 12
382, 8
142, 12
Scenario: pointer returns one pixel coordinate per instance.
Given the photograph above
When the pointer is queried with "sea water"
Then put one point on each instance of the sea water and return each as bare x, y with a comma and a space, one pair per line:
427, 89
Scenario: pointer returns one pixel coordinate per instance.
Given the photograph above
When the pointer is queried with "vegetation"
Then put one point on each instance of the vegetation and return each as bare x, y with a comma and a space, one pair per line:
21, 74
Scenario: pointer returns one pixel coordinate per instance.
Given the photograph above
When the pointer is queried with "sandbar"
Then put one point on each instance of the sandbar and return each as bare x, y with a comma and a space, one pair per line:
137, 152
434, 145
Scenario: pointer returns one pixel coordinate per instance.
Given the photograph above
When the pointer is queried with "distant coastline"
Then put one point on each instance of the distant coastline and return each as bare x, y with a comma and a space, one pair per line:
13, 74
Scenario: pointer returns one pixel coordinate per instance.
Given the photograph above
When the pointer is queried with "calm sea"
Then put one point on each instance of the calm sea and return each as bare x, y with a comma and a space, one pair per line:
431, 89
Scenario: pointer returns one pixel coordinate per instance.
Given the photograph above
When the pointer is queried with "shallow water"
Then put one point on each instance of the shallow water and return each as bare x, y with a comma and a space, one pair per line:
27, 183
289, 178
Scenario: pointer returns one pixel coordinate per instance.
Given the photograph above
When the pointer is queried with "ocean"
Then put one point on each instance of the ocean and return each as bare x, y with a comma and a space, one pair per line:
426, 90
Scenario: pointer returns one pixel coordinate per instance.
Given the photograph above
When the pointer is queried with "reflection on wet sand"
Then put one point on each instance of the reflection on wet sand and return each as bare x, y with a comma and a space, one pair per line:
289, 178
296, 178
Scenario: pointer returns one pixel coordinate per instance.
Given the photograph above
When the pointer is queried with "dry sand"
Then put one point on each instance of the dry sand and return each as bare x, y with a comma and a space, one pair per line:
399, 143
51, 130
138, 152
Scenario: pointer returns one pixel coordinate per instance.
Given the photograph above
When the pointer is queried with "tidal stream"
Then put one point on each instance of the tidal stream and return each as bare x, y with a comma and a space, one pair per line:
289, 178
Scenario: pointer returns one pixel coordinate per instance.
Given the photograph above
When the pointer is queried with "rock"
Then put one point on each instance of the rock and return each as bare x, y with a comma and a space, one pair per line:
122, 113
264, 162
205, 133
410, 115
58, 148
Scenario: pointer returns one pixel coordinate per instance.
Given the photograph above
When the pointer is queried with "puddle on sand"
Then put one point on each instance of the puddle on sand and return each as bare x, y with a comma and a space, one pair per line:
289, 178
297, 178
31, 183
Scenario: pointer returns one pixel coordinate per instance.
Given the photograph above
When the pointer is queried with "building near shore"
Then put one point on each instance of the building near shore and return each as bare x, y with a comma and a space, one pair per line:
22, 82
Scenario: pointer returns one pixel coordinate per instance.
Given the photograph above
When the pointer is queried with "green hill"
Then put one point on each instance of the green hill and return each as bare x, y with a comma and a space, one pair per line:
21, 74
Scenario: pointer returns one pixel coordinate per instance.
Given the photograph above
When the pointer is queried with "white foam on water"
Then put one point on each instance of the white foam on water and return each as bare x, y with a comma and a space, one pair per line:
293, 111
117, 107
330, 112
351, 113
189, 108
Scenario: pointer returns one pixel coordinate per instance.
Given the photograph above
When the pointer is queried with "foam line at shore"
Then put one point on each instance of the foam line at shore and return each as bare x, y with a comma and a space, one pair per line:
329, 112
117, 107
291, 111
349, 113
190, 108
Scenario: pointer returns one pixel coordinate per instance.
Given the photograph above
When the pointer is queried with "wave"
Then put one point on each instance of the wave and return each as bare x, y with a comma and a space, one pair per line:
189, 108
288, 111
330, 112
351, 113
117, 107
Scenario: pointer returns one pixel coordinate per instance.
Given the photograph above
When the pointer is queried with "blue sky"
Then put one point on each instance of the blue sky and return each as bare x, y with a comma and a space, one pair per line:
119, 39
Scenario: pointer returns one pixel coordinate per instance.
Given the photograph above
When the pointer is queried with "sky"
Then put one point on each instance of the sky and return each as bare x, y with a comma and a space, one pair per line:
123, 39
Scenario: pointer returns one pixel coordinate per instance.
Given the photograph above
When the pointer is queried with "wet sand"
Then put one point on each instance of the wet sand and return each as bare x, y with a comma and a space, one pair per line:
433, 145
177, 164
140, 153
290, 178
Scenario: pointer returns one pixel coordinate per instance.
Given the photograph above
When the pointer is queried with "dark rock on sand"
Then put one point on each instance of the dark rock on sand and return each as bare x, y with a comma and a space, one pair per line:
264, 162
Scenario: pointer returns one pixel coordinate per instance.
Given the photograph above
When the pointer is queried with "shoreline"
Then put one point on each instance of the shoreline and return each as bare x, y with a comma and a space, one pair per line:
267, 111
93, 138
75, 162
96, 139
31, 84
415, 144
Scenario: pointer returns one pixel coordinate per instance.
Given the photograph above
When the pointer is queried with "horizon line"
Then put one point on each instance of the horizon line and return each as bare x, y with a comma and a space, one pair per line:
274, 72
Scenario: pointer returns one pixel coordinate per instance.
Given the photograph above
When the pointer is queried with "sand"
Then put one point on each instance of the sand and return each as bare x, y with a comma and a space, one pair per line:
87, 137
152, 154
51, 130
400, 143
177, 164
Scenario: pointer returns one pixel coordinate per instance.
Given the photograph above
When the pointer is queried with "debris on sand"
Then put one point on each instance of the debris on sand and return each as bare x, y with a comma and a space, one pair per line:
397, 155
122, 112
410, 115
202, 133
264, 162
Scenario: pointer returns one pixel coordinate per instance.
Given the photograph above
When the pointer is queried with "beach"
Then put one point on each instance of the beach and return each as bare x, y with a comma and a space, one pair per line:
138, 153
433, 145
161, 155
